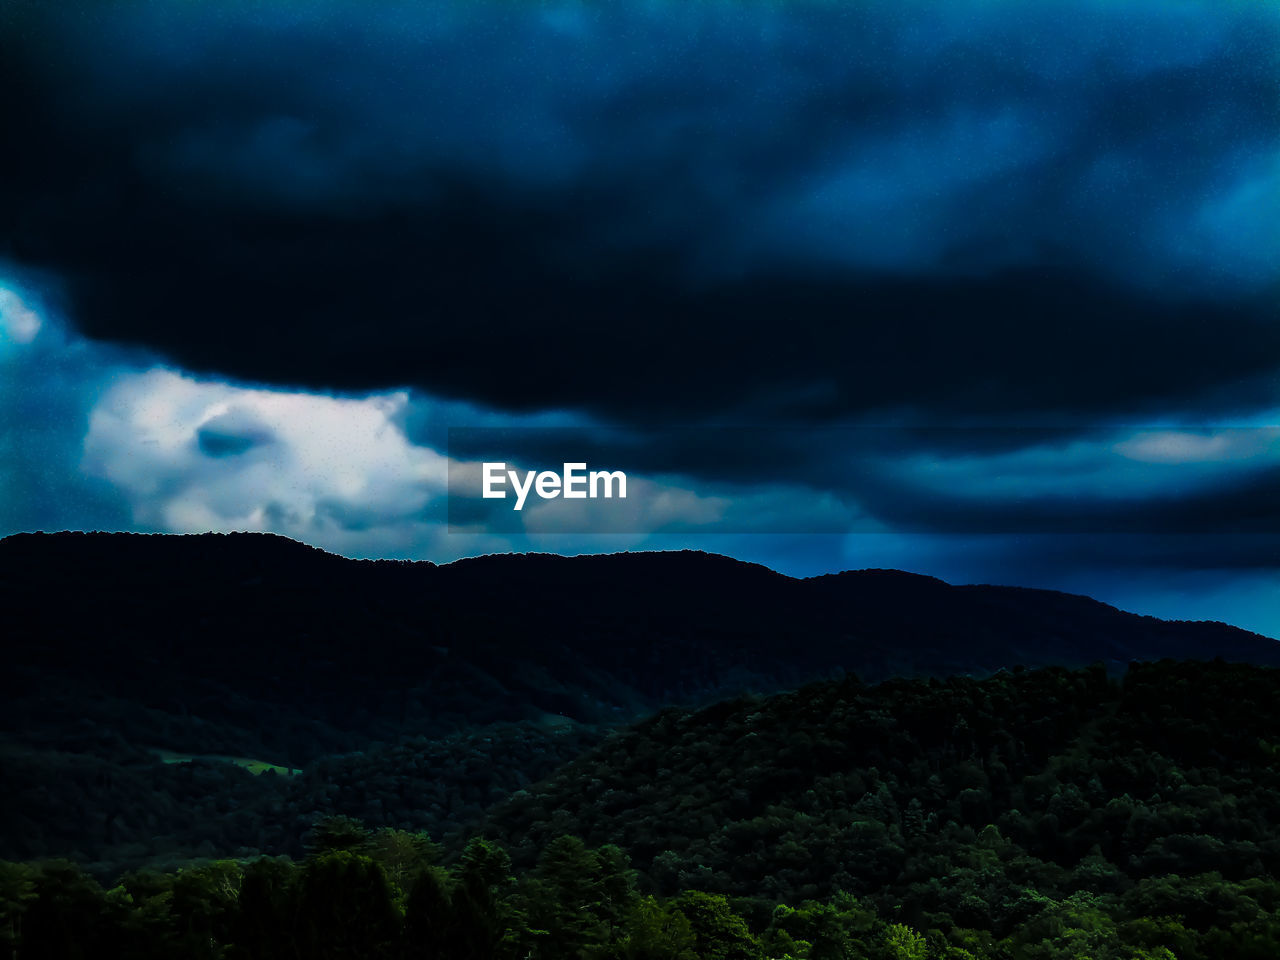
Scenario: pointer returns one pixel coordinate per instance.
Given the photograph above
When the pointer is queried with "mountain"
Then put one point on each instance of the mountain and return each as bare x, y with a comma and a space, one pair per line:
1030, 815
936, 796
160, 693
256, 645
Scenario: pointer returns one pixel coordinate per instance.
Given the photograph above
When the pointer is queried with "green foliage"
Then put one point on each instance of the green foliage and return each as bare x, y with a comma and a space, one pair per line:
949, 799
68, 917
338, 832
578, 898
481, 915
58, 799
842, 929
657, 931
203, 903
719, 933
346, 909
17, 891
403, 855
1053, 815
428, 918
264, 925
903, 943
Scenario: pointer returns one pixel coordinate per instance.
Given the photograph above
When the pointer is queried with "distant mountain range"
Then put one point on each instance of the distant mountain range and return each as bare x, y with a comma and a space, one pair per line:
255, 645
159, 693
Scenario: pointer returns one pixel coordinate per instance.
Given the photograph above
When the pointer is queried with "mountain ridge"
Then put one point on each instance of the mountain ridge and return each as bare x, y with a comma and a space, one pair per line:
494, 561
120, 648
203, 631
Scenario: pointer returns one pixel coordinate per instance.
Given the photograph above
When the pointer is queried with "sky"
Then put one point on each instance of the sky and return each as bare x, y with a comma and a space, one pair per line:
982, 289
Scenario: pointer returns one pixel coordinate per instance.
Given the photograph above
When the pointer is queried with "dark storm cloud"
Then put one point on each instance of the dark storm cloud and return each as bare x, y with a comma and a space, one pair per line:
47, 384
669, 212
1238, 506
954, 481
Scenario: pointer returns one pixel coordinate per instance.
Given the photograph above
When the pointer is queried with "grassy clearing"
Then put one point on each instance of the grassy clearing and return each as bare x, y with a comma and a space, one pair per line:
253, 766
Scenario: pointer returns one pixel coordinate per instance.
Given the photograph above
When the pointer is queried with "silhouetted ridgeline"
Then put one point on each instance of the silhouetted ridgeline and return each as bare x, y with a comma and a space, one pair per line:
257, 645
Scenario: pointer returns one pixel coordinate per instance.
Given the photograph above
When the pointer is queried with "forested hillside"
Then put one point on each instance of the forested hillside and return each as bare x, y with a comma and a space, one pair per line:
1047, 814
115, 807
419, 696
949, 797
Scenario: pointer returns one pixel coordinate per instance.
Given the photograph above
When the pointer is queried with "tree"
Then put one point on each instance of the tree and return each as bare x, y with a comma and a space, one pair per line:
67, 918
903, 943
719, 933
263, 928
656, 931
346, 909
17, 891
480, 916
403, 856
204, 904
566, 899
428, 917
337, 832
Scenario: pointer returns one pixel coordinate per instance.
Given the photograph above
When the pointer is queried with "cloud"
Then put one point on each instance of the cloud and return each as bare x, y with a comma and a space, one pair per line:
1203, 446
48, 379
193, 455
19, 323
873, 478
1156, 482
793, 210
785, 217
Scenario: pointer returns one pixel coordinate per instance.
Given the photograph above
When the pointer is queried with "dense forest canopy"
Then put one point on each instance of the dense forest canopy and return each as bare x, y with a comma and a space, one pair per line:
1033, 814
